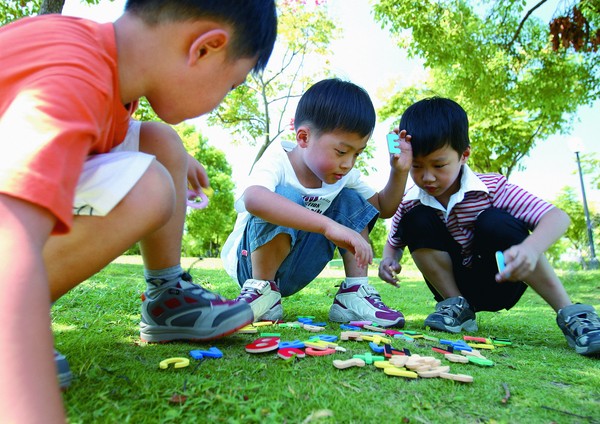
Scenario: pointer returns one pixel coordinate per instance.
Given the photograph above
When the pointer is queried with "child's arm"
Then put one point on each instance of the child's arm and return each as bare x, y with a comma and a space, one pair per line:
521, 259
390, 267
28, 383
278, 210
388, 199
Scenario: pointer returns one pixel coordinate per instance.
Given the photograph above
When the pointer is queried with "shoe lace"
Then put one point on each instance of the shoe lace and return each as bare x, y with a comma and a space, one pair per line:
375, 296
451, 310
583, 323
186, 284
248, 291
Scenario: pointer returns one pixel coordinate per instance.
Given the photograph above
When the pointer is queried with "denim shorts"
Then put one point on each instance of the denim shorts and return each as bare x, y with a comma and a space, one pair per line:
310, 252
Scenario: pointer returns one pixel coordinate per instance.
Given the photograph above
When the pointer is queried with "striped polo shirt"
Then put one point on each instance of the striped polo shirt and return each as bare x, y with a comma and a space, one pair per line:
477, 192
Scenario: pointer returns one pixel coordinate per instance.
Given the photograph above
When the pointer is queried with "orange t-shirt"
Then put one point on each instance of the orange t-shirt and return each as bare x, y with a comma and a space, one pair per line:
59, 103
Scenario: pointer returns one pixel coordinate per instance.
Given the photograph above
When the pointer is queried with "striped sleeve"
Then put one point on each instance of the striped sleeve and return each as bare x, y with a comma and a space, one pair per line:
518, 202
395, 235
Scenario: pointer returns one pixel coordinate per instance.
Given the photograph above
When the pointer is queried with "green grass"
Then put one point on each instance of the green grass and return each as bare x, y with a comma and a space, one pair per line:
117, 378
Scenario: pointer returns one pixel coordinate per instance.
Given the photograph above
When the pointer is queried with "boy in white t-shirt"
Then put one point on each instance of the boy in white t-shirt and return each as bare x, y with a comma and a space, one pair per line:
303, 200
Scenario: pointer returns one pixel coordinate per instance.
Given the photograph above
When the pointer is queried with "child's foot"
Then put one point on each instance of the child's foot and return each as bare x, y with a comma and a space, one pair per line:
63, 372
452, 315
264, 299
362, 302
581, 327
186, 311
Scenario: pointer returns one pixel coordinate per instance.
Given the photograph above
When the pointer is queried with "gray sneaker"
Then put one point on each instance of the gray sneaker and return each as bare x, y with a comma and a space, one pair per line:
187, 311
63, 372
581, 327
262, 296
452, 315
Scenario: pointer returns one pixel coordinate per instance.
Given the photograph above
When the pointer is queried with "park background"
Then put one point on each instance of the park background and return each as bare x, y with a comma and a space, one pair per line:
362, 49
538, 379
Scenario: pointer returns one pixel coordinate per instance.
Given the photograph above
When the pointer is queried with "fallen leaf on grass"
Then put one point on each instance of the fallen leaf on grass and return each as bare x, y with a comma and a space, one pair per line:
177, 399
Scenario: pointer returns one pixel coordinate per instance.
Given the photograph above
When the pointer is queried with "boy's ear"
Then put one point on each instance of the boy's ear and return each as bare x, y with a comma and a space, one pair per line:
465, 155
207, 42
302, 136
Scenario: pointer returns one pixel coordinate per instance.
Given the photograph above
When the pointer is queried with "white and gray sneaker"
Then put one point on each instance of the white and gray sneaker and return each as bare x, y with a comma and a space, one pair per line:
263, 297
363, 303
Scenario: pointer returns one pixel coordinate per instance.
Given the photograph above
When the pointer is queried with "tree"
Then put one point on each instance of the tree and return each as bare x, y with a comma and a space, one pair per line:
258, 110
503, 70
11, 10
576, 234
208, 228
378, 237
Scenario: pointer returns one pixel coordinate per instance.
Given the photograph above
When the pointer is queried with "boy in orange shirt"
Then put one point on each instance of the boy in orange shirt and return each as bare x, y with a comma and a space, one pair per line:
65, 82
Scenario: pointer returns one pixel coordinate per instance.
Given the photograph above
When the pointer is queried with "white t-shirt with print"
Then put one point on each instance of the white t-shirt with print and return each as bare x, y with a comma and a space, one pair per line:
272, 170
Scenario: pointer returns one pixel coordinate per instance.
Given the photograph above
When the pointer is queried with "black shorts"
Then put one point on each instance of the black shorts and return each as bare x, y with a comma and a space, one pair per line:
495, 230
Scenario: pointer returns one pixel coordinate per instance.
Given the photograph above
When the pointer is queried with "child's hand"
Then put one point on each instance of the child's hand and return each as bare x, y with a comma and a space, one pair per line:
349, 239
520, 261
389, 270
196, 175
402, 161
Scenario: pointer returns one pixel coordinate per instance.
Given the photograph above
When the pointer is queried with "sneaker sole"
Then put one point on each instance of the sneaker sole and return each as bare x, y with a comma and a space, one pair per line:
591, 350
162, 334
469, 326
339, 314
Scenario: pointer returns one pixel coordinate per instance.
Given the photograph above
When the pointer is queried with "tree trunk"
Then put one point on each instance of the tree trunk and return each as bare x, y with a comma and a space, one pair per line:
51, 6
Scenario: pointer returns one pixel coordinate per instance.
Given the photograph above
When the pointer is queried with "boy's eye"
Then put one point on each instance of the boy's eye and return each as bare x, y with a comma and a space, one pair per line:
441, 165
339, 152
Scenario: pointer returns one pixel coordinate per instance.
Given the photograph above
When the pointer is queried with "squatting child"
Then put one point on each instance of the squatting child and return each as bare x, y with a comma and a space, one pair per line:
304, 199
69, 203
454, 220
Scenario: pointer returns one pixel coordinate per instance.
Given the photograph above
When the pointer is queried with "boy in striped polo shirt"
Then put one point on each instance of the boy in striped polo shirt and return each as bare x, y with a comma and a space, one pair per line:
454, 220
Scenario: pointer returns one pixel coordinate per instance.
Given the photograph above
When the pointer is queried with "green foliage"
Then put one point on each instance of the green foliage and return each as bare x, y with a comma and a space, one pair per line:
378, 237
208, 228
118, 380
515, 88
11, 10
258, 111
576, 235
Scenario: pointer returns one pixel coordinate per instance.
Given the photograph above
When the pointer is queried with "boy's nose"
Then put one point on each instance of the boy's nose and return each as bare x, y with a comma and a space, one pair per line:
428, 176
347, 163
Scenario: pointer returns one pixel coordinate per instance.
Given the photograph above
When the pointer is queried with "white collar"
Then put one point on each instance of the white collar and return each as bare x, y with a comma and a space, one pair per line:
468, 182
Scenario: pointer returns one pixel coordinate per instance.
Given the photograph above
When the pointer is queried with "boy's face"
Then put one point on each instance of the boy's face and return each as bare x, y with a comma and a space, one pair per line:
200, 89
438, 172
329, 156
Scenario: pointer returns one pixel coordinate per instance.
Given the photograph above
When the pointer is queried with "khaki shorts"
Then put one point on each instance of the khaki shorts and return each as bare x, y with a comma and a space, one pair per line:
107, 178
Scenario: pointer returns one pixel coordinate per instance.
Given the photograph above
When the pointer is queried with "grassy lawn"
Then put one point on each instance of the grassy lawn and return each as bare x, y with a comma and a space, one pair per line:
117, 378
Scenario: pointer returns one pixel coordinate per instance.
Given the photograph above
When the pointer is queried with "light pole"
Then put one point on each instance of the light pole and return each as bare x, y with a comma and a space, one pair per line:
576, 145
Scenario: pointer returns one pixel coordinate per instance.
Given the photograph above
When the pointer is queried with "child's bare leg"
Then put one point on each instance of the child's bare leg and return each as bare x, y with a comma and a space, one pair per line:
351, 269
546, 283
162, 248
267, 259
436, 267
95, 241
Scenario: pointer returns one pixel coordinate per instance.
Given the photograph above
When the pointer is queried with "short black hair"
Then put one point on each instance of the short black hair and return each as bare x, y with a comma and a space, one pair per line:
434, 123
335, 105
254, 22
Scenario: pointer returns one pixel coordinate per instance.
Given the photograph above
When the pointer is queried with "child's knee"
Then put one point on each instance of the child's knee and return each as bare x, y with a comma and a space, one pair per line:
155, 195
497, 224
